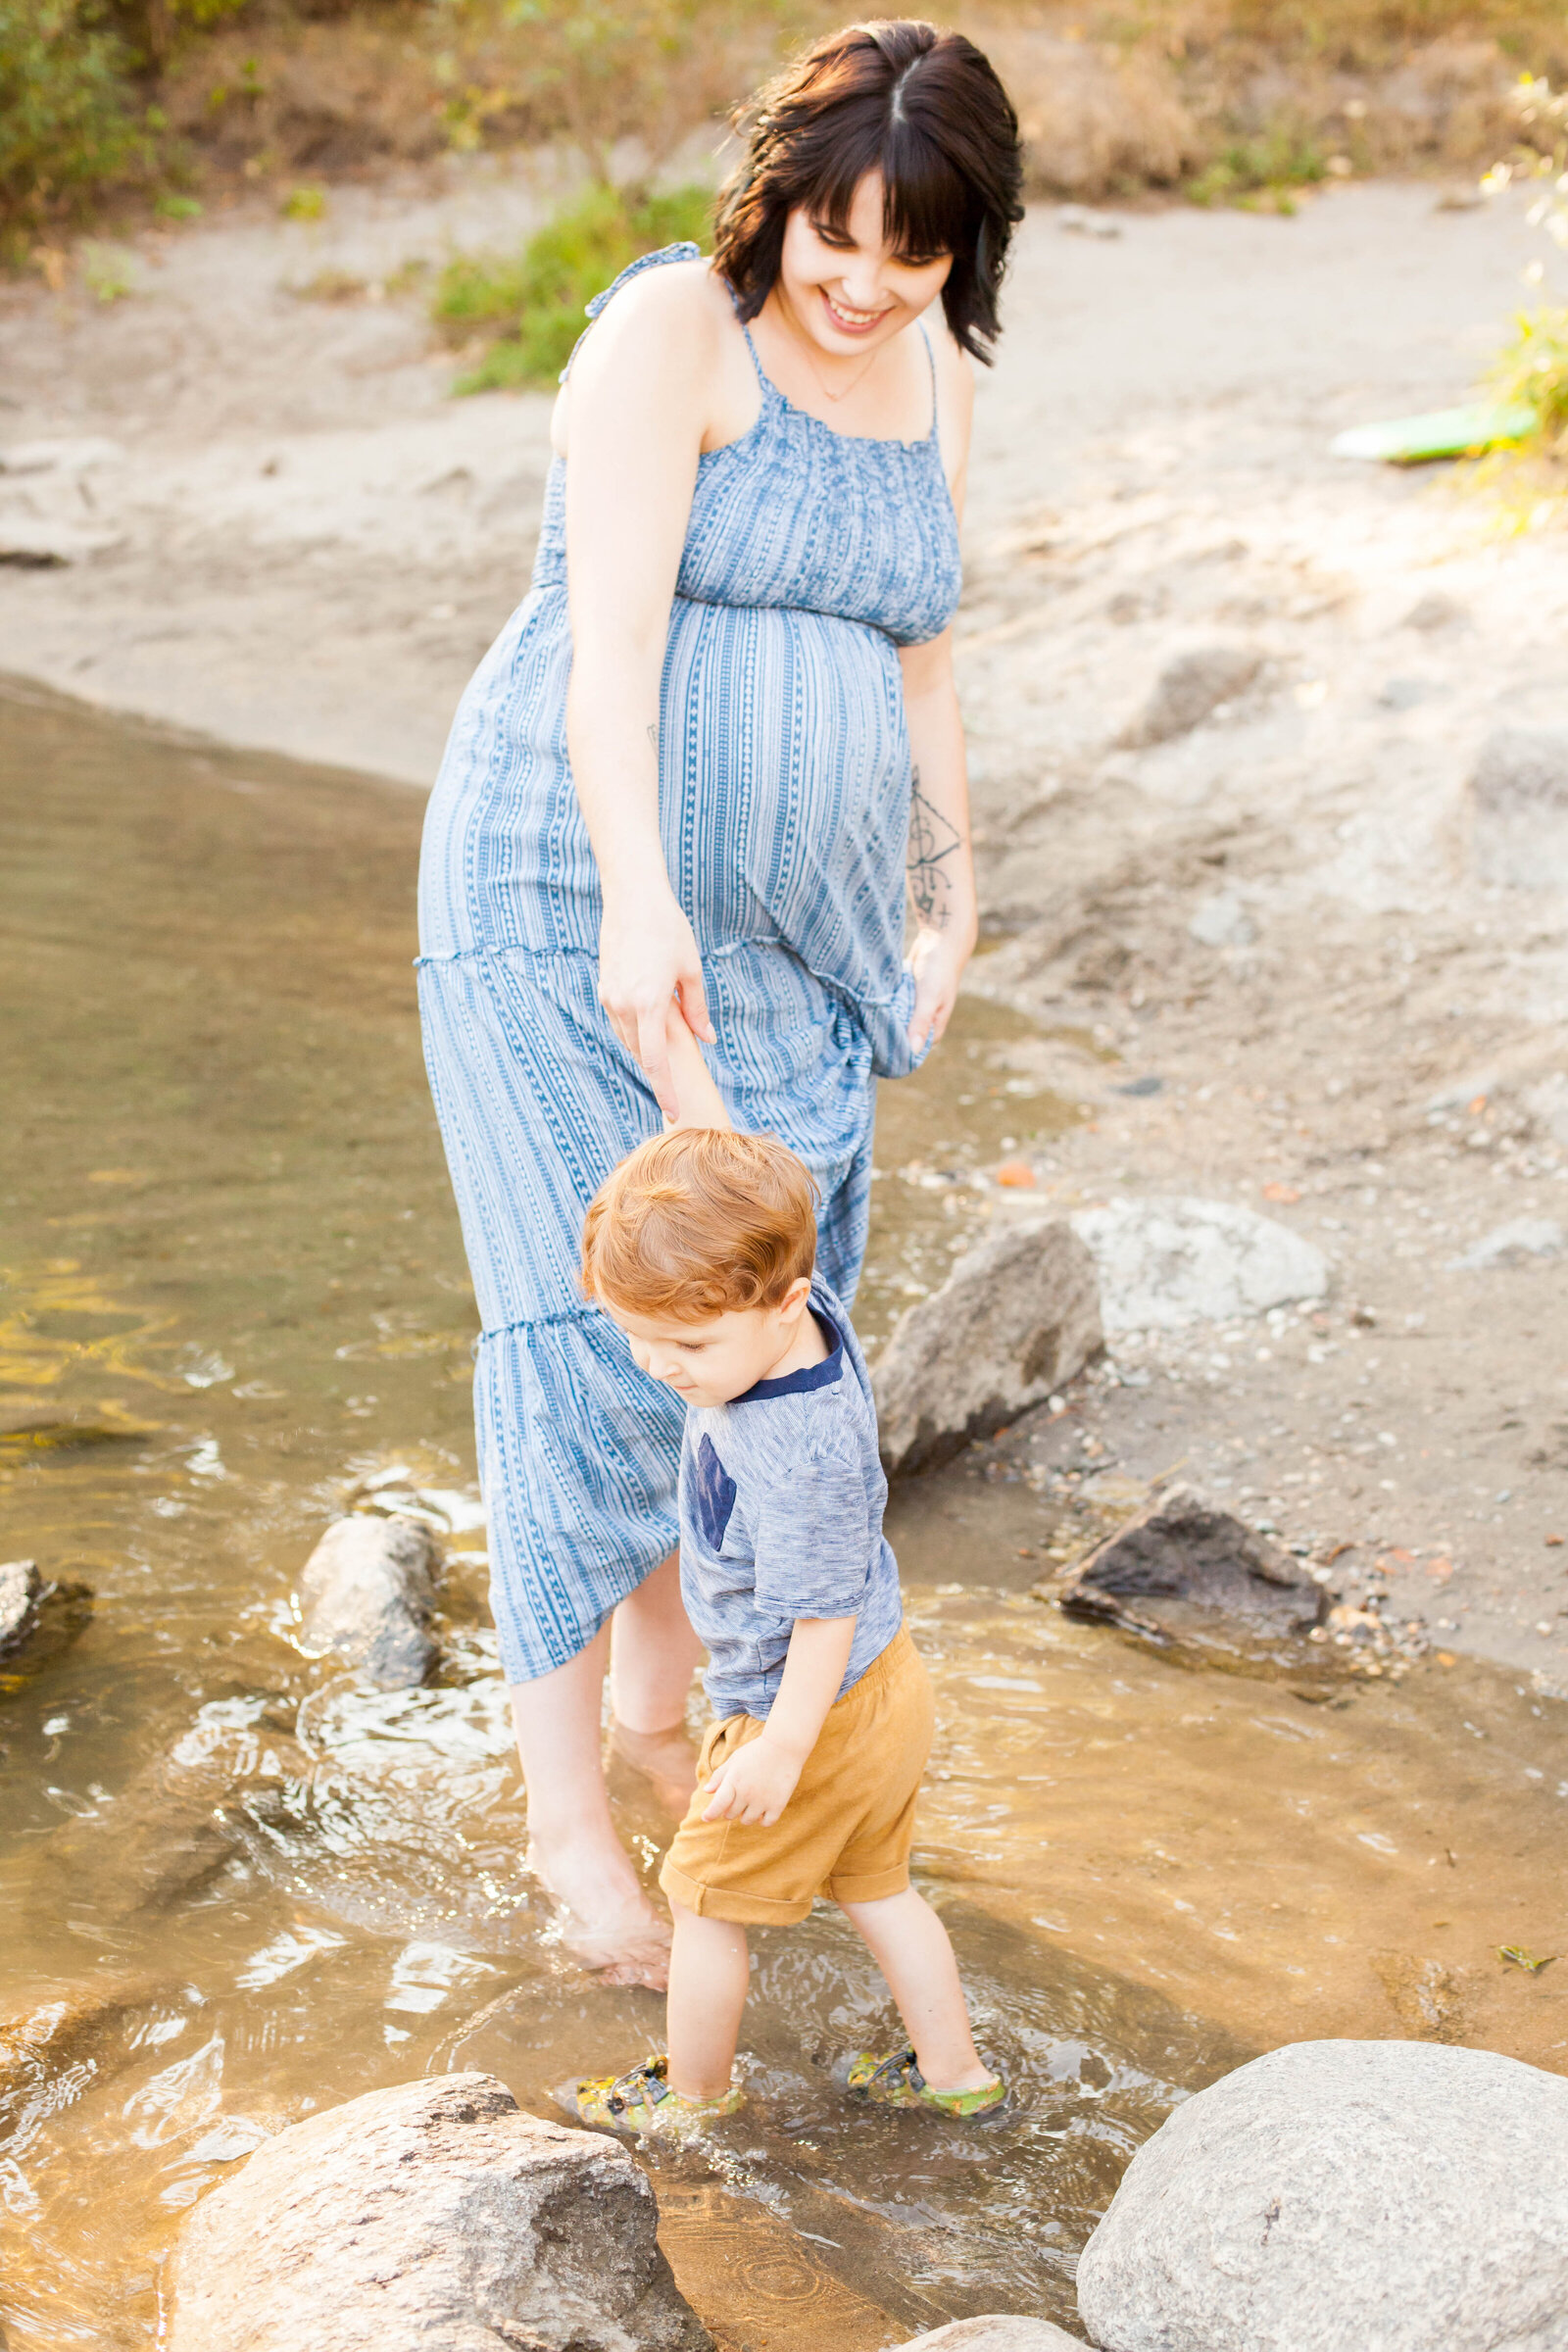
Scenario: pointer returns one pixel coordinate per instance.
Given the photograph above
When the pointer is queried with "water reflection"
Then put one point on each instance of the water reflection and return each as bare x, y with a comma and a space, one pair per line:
239, 1887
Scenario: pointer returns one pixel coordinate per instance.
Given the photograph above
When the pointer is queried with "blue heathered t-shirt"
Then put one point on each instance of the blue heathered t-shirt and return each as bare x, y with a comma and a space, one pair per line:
781, 1501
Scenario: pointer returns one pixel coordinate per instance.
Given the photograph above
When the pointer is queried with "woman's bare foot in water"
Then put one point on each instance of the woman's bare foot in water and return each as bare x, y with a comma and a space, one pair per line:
667, 1758
613, 1931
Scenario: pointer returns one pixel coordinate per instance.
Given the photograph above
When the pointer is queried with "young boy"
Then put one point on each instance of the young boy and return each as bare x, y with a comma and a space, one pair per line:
701, 1248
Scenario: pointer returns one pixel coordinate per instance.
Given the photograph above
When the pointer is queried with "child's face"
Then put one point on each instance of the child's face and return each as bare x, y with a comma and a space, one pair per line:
713, 1363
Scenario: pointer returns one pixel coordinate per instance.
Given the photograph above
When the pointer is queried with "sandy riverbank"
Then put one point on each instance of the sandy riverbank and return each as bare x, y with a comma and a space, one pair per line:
303, 544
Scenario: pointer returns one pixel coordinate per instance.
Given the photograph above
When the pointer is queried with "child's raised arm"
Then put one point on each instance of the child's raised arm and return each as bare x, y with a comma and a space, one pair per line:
700, 1100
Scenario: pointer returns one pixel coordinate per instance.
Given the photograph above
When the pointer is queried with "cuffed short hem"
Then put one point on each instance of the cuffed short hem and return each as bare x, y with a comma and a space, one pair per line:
732, 1902
874, 1888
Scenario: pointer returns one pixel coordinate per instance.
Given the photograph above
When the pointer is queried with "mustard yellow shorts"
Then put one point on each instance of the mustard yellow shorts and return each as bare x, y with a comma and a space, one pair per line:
847, 1830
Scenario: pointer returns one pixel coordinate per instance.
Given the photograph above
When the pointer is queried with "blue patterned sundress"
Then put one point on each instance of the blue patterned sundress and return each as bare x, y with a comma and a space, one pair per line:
784, 799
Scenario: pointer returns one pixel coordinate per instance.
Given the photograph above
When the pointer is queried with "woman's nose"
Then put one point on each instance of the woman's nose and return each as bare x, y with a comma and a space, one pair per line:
862, 283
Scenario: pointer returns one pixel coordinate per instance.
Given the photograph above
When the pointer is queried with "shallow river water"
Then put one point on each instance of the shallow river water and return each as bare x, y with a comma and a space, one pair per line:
236, 1888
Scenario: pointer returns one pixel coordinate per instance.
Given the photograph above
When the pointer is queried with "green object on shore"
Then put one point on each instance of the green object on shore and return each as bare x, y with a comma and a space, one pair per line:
1444, 433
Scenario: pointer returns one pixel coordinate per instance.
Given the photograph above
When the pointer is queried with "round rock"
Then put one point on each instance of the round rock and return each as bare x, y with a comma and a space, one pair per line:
1343, 2196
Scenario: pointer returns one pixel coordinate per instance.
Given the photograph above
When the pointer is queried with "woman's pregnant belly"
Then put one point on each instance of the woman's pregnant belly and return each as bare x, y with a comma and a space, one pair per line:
784, 783
784, 796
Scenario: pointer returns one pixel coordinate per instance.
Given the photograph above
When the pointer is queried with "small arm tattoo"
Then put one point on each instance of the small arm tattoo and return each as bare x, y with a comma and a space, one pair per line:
933, 845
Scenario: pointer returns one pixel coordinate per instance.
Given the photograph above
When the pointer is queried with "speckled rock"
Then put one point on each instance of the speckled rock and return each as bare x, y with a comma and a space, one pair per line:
1168, 1260
20, 1590
995, 2331
365, 1596
39, 1615
1343, 2196
435, 2214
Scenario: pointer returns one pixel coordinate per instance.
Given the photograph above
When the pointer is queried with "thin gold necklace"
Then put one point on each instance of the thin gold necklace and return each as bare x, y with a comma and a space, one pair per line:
828, 392
827, 389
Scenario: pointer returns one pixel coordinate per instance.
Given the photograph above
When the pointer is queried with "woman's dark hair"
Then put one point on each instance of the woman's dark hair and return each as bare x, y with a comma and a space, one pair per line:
923, 108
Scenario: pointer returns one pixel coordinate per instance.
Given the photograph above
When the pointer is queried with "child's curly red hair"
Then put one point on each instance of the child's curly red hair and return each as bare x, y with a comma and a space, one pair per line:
699, 1223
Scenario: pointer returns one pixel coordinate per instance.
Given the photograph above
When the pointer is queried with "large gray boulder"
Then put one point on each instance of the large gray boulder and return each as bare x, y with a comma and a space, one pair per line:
366, 1596
1191, 689
995, 2331
1014, 1320
1166, 1262
434, 2214
1343, 2196
1519, 809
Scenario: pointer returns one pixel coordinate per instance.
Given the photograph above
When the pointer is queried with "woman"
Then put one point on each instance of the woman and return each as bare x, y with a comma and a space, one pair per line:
685, 776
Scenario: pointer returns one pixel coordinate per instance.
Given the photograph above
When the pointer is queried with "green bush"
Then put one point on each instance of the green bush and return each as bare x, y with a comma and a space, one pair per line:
1533, 369
1259, 169
69, 126
532, 303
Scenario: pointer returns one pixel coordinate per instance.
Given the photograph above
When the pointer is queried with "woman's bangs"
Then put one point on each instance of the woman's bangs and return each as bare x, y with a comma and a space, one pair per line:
927, 209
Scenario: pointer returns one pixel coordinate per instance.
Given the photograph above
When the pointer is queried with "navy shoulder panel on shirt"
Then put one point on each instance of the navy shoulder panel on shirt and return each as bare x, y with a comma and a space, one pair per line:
716, 1494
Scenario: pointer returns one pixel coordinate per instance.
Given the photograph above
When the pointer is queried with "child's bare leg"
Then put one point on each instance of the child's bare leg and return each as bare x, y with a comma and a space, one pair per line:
708, 1979
910, 1944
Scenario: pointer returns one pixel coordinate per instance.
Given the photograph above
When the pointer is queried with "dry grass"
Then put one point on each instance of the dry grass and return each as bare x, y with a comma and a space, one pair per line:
1115, 95
1113, 99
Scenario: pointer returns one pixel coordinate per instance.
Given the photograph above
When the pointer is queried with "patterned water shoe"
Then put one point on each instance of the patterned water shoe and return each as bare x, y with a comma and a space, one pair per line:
896, 2081
642, 2101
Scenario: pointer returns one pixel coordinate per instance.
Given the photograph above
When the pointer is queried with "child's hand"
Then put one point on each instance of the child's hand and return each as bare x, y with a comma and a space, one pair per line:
753, 1784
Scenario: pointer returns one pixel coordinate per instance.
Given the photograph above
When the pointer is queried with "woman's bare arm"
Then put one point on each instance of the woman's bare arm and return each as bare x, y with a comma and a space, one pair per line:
636, 417
941, 861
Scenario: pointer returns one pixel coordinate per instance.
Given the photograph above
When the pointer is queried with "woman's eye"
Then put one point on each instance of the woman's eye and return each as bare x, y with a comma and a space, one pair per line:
833, 236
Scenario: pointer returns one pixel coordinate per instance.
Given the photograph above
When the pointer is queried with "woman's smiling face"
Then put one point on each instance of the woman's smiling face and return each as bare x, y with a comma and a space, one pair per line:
849, 289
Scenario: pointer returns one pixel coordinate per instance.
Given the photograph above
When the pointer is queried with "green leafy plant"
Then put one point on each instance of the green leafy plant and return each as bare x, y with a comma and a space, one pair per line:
1532, 369
69, 126
304, 203
107, 271
529, 307
1260, 172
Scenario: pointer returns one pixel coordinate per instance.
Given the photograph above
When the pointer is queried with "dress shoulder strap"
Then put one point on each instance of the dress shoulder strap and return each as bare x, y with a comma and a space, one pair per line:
762, 377
685, 251
931, 357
